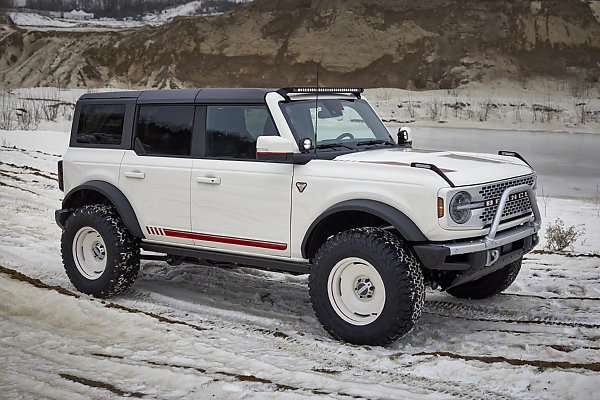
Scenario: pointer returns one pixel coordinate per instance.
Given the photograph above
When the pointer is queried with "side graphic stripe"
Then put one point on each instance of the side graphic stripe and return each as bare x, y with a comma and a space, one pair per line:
394, 163
226, 239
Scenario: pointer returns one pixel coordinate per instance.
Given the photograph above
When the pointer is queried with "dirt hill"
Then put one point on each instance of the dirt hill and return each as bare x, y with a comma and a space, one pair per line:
370, 43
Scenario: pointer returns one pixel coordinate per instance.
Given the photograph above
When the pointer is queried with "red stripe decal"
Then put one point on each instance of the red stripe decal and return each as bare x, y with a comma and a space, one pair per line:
401, 164
395, 163
225, 239
148, 229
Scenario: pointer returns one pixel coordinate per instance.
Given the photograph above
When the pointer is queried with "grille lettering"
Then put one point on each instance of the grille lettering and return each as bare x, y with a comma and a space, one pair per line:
512, 197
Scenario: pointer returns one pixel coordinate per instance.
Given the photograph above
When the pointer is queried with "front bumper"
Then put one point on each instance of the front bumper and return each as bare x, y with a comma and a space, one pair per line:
482, 256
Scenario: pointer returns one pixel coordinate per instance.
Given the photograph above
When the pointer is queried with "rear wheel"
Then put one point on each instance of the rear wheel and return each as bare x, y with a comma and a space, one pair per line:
99, 254
489, 285
366, 287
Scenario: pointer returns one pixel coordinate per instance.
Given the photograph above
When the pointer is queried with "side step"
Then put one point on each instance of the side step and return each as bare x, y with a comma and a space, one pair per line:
255, 262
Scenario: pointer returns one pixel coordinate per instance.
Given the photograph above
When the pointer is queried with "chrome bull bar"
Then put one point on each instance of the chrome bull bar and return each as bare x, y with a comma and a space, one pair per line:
494, 239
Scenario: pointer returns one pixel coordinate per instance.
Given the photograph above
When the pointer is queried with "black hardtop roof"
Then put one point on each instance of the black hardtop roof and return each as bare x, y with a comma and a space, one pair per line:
205, 95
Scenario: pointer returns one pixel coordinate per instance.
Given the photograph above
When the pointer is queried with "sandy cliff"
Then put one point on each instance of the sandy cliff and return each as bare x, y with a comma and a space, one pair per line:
371, 43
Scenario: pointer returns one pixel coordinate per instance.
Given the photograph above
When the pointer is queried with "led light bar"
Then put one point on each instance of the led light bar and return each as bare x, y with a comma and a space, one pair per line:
325, 90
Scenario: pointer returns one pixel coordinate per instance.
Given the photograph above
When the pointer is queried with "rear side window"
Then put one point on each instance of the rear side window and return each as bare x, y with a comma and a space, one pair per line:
101, 124
164, 130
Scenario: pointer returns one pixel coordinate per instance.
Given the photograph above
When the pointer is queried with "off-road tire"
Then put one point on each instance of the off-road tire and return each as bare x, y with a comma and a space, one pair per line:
398, 269
121, 251
490, 285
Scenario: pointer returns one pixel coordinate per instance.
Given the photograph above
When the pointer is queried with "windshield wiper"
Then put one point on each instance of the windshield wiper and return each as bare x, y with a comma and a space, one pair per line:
332, 145
376, 141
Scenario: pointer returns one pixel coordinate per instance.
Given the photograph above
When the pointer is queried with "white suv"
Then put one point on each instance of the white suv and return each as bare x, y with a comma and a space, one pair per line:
303, 180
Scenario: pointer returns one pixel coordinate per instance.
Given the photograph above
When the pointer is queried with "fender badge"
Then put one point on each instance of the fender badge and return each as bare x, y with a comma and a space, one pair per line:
301, 186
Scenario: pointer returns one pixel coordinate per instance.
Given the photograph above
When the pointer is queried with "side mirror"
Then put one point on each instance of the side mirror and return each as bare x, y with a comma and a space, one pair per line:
404, 136
274, 149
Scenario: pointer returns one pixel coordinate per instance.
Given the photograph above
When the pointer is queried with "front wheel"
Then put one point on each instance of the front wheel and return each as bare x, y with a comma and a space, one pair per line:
99, 254
489, 285
366, 287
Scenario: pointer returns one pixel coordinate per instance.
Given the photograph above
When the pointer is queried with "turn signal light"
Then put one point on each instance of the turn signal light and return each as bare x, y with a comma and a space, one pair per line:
440, 207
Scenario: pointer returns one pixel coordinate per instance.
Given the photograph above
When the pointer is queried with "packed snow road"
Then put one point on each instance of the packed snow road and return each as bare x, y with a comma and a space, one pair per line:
193, 331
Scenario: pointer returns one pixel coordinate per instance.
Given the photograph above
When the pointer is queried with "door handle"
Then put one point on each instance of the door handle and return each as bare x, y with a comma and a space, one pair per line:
208, 179
135, 174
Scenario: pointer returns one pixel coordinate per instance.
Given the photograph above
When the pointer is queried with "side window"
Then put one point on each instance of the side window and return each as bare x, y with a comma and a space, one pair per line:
101, 124
164, 130
231, 131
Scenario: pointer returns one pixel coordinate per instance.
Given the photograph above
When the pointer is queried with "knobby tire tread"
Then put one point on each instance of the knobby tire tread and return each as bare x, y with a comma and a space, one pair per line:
406, 276
489, 285
123, 266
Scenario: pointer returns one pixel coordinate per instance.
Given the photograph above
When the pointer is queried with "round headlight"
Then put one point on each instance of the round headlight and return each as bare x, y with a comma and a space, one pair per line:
458, 212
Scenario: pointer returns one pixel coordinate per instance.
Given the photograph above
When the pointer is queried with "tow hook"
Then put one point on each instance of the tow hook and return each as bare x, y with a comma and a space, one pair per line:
492, 257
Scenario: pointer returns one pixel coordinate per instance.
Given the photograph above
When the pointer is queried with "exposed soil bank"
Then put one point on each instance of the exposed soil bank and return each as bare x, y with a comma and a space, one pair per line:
371, 43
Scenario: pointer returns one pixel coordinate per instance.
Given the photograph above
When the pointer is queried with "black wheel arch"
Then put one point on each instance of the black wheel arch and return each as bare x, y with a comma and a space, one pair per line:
381, 211
100, 192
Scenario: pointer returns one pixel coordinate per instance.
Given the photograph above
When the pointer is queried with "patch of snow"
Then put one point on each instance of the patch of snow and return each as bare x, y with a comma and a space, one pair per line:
194, 331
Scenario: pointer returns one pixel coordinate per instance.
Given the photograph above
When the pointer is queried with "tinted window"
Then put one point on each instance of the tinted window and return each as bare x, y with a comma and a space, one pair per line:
101, 124
164, 130
231, 131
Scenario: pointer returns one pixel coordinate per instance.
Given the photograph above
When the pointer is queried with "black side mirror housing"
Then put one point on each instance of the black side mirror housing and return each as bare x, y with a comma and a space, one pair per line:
404, 136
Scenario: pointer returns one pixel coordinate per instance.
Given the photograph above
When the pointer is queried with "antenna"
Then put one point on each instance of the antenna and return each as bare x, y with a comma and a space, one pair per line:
317, 109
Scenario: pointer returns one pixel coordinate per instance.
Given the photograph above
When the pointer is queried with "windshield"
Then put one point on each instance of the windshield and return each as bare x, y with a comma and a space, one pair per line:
337, 121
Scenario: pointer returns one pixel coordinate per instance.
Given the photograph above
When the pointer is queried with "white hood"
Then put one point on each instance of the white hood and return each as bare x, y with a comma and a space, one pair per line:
462, 169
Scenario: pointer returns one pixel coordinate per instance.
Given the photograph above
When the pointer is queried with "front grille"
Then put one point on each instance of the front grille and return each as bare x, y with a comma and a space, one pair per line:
494, 190
514, 208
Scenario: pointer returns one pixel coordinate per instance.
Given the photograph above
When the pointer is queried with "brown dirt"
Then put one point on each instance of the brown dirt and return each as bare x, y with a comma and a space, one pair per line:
371, 43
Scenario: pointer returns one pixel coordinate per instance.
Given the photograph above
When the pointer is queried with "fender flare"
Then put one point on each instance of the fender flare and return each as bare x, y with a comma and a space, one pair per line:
114, 195
407, 228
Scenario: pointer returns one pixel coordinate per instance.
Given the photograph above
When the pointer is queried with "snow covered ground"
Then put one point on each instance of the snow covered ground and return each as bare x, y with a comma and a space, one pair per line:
534, 105
184, 10
195, 331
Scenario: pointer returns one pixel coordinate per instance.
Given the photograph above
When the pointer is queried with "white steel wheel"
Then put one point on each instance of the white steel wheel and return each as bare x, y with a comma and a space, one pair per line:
356, 291
92, 266
366, 286
89, 253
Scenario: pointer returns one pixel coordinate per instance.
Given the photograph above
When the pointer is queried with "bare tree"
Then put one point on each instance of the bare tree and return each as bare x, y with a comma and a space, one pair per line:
546, 199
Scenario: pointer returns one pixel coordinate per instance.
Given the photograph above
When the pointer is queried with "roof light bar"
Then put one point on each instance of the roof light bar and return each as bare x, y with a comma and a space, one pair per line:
321, 90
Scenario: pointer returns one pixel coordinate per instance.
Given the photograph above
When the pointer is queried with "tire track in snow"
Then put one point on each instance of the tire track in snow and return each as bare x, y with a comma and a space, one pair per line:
595, 367
28, 152
239, 377
306, 348
568, 255
100, 385
534, 296
475, 312
460, 390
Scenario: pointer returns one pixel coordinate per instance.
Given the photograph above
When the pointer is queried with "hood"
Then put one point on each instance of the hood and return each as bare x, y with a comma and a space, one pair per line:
462, 169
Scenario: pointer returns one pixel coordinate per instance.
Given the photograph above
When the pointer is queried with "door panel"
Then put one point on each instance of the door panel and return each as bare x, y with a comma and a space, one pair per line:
155, 176
242, 206
159, 191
